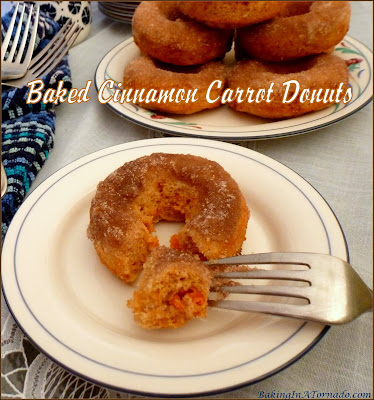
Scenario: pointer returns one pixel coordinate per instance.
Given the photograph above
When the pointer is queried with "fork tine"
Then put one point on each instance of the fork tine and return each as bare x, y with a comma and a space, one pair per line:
30, 49
25, 35
287, 291
269, 274
336, 294
18, 32
9, 32
51, 44
46, 60
64, 52
265, 258
285, 310
54, 61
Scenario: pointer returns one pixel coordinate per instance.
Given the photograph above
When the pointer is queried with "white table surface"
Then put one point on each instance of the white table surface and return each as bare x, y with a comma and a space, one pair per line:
336, 160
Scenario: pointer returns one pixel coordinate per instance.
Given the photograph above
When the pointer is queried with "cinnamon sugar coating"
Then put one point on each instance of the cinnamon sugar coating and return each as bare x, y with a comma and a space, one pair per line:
173, 289
146, 73
230, 14
161, 31
302, 29
320, 72
171, 187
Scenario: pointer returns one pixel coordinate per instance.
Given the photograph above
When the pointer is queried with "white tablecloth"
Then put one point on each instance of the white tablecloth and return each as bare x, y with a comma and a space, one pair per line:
336, 160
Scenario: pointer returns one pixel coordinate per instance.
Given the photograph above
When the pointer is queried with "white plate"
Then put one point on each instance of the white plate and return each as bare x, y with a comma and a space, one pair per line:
226, 124
75, 311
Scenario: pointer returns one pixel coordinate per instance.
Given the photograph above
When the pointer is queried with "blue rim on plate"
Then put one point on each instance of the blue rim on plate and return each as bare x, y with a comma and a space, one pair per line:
211, 124
15, 244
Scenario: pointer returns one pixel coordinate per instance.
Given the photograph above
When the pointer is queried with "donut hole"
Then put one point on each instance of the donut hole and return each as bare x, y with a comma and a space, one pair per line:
173, 202
184, 242
294, 8
190, 69
170, 12
166, 201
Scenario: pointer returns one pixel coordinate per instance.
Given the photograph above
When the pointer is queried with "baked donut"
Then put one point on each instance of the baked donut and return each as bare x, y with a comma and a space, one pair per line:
317, 73
161, 31
303, 29
156, 77
171, 187
230, 14
173, 289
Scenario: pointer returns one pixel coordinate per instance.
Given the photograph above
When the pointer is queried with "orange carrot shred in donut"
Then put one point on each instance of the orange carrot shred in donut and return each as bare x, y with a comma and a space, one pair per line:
174, 244
196, 296
177, 302
173, 289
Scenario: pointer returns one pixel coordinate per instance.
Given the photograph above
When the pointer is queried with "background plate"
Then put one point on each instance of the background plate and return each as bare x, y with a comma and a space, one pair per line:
226, 124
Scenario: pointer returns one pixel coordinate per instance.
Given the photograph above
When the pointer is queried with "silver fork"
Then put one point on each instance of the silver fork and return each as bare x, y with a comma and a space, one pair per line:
50, 56
16, 58
336, 294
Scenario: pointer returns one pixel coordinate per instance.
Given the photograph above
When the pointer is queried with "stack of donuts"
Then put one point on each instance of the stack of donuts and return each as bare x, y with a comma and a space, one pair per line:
184, 43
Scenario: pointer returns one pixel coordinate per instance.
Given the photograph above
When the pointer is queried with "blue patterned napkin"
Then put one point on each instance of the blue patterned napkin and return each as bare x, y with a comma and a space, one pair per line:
28, 129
